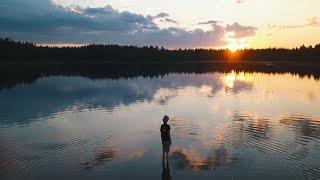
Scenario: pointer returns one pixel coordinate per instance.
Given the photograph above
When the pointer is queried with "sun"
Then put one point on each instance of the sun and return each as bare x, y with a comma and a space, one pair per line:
237, 44
233, 47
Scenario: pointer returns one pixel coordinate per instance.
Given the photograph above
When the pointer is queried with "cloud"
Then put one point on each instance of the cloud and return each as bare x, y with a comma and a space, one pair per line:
241, 31
164, 17
160, 15
43, 21
240, 1
170, 21
49, 18
208, 22
311, 22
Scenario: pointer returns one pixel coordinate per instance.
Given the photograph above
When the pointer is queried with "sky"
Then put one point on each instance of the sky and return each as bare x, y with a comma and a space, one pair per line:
173, 24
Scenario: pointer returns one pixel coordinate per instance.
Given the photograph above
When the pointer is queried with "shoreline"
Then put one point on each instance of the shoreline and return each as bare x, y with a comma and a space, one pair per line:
160, 62
12, 74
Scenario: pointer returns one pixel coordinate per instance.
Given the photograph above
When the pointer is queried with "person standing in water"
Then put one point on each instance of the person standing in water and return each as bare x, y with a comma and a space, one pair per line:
166, 142
165, 137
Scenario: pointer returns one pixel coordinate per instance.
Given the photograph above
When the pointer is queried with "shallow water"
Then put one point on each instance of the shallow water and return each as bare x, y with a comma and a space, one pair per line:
224, 126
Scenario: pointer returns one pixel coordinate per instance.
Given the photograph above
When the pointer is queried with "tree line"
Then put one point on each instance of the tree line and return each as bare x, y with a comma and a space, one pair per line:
15, 51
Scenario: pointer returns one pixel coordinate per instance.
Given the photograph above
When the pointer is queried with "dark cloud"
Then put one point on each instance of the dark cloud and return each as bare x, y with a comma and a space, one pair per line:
42, 21
48, 18
160, 15
171, 21
164, 17
208, 22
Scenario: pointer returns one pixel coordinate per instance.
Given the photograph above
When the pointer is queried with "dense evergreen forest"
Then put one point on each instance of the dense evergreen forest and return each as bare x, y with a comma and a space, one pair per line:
24, 62
13, 51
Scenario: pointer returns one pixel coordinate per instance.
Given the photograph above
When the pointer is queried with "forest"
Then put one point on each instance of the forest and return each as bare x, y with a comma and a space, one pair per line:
25, 62
24, 52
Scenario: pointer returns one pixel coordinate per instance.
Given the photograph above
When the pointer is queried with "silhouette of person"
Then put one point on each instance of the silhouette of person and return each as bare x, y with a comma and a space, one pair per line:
165, 137
166, 142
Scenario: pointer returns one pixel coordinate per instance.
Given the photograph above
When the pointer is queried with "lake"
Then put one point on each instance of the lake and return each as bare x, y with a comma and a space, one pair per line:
234, 125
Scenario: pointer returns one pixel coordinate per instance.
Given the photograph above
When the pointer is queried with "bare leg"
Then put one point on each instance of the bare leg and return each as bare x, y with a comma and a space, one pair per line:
167, 157
163, 155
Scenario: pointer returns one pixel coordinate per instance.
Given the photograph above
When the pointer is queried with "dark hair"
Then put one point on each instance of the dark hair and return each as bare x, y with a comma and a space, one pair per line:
165, 118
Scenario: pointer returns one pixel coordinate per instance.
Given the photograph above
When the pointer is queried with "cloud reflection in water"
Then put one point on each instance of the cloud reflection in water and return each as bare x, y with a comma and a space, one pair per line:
234, 123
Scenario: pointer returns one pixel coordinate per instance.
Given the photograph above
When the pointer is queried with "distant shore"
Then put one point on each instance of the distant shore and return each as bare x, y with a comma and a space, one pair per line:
106, 62
26, 52
12, 73
24, 62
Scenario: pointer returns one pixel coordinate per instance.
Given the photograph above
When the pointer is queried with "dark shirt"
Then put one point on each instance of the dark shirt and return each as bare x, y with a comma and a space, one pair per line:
165, 132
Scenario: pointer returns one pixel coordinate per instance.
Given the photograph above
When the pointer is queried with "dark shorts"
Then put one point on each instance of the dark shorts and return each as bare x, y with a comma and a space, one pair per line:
166, 146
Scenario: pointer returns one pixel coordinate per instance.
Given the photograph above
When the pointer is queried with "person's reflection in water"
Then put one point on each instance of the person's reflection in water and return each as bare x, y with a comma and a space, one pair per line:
165, 169
166, 142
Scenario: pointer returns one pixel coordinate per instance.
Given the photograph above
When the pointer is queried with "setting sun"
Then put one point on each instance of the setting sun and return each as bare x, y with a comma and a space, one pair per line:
233, 43
237, 44
233, 47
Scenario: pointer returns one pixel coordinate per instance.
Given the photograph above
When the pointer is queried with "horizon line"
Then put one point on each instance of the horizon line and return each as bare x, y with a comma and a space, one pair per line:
79, 45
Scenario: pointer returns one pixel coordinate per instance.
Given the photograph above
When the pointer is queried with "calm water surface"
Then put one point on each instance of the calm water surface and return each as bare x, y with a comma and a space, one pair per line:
224, 126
